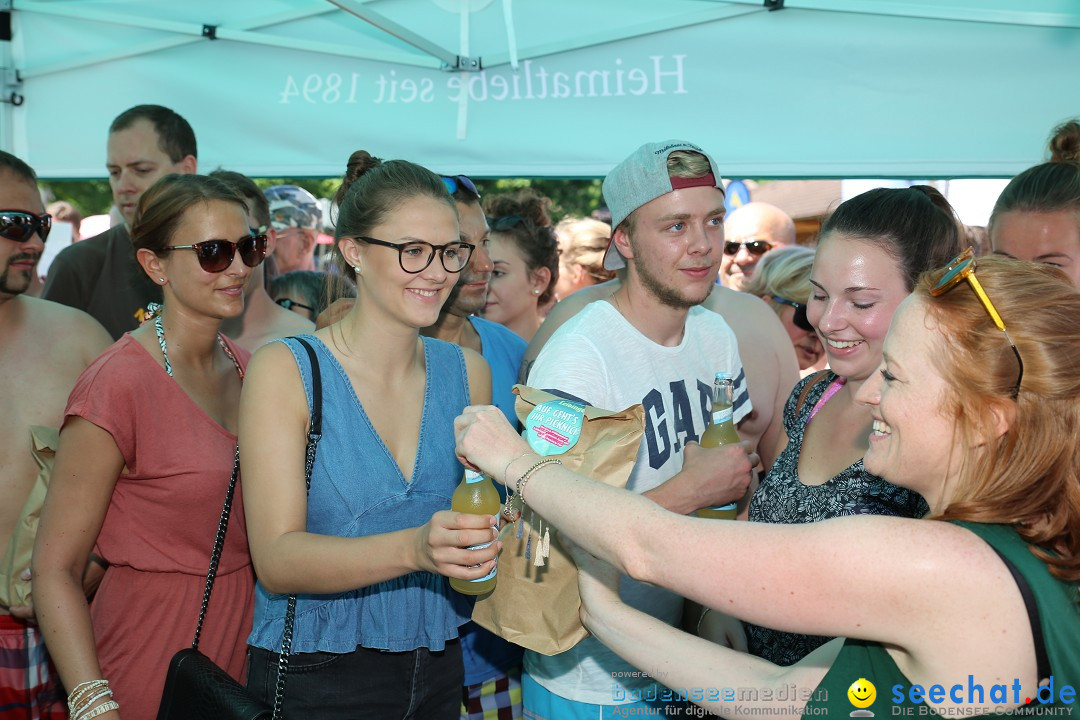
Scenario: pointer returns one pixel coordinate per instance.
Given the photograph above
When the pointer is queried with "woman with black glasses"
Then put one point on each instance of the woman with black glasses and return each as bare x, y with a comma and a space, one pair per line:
146, 453
782, 279
369, 548
870, 253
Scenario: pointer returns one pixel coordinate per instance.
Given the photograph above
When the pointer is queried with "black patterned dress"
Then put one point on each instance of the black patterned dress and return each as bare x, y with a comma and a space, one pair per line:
782, 498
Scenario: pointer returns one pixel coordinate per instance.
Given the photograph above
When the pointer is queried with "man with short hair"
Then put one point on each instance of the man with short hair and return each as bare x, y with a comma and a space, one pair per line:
43, 349
492, 665
750, 232
296, 217
650, 343
100, 275
263, 320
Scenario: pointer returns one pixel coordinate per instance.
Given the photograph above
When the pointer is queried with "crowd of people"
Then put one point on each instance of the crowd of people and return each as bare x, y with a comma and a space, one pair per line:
908, 510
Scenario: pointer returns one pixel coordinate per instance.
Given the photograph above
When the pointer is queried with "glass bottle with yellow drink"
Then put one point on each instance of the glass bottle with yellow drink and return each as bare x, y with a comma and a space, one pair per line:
721, 431
477, 495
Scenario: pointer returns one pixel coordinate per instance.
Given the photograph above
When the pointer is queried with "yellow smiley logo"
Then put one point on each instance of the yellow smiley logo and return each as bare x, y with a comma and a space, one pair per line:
862, 693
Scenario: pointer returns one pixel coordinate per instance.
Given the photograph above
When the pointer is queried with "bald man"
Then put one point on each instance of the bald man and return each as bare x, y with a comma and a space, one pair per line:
749, 233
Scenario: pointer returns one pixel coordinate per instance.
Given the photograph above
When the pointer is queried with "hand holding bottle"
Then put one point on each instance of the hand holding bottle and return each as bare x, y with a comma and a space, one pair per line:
442, 543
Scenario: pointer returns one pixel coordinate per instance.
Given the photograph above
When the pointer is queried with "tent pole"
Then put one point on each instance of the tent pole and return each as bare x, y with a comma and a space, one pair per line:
615, 33
10, 81
451, 60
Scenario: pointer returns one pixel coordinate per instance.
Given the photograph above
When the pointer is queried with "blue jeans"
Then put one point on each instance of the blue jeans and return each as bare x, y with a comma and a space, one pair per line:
367, 684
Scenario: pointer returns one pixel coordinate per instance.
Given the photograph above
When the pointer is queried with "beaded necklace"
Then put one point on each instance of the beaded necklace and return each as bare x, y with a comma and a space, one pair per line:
156, 309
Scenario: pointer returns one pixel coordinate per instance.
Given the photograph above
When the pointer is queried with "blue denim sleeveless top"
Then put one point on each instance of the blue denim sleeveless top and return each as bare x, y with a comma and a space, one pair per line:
357, 490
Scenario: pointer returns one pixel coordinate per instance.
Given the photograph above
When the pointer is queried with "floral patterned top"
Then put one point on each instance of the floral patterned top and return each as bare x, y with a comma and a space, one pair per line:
782, 498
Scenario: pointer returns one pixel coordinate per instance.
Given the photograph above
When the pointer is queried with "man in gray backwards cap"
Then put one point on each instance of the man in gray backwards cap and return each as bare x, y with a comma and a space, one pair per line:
651, 343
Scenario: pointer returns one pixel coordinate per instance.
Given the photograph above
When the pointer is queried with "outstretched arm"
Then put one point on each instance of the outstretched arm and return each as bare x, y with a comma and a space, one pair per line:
707, 673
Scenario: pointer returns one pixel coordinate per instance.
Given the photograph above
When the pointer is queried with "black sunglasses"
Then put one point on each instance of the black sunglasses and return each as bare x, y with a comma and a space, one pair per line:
754, 247
799, 318
289, 304
20, 226
217, 255
455, 182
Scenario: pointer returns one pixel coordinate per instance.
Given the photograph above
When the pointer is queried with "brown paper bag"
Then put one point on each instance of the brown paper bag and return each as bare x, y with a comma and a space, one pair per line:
537, 607
13, 590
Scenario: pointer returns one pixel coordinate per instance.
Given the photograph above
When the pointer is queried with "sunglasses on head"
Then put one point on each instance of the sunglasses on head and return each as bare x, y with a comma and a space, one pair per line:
455, 182
20, 226
217, 255
754, 247
963, 268
506, 222
799, 318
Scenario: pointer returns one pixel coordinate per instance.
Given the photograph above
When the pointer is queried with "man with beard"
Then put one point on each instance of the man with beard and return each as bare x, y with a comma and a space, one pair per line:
492, 665
43, 349
652, 343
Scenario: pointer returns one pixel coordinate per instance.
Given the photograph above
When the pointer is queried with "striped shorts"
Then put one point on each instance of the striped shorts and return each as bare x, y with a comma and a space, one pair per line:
29, 686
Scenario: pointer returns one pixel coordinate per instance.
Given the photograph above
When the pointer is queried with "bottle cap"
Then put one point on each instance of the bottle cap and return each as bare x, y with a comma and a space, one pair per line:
472, 476
723, 376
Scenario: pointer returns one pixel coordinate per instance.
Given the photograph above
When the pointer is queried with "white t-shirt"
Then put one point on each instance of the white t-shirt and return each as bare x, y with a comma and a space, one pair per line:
600, 358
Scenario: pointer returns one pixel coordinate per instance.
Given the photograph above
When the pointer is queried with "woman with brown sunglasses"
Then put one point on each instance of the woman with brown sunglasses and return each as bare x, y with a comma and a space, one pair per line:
146, 453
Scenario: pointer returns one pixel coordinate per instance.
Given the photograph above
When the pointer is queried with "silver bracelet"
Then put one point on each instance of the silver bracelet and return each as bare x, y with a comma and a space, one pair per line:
100, 710
524, 479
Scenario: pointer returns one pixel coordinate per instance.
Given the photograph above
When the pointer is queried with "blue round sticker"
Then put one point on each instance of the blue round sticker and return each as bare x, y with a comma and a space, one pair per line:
553, 427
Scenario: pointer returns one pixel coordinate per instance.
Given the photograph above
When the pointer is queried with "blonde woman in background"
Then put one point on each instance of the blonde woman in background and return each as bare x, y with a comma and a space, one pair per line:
782, 279
582, 244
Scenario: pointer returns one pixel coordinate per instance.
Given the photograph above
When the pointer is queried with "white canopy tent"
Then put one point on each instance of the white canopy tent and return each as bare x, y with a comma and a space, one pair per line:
559, 88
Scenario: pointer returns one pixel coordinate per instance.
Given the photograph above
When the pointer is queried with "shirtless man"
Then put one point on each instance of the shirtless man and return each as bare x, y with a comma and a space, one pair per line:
766, 351
263, 320
44, 346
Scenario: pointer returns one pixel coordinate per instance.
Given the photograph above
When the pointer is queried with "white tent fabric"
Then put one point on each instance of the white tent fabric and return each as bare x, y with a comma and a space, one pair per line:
558, 88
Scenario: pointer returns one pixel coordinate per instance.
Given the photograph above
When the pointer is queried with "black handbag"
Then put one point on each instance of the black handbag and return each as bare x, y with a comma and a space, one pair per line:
196, 688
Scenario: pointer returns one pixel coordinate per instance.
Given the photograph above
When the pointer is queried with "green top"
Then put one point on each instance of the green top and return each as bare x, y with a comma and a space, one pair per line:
1059, 616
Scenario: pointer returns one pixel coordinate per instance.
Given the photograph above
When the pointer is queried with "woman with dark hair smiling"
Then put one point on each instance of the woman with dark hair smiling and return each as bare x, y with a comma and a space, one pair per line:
370, 547
872, 250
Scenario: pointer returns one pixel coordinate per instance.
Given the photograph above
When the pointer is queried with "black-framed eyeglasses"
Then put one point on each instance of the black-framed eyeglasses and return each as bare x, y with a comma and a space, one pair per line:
754, 247
455, 182
289, 304
963, 268
799, 318
217, 255
20, 226
415, 256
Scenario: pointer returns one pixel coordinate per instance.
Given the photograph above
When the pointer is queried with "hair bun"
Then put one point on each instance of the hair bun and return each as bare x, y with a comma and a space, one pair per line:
359, 163
1065, 143
527, 202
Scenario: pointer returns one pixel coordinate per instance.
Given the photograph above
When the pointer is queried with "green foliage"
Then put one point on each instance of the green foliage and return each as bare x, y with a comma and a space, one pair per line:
568, 197
91, 197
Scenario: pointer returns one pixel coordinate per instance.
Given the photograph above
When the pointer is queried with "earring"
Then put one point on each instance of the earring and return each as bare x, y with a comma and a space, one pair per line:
161, 280
536, 292
356, 269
